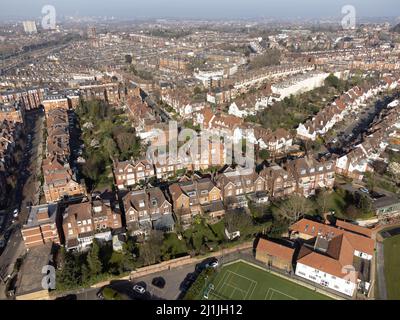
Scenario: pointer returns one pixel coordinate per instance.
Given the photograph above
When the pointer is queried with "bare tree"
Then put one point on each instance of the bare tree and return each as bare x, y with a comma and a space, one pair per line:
294, 208
323, 201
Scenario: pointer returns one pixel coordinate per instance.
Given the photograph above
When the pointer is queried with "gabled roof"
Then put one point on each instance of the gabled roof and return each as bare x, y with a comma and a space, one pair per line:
275, 249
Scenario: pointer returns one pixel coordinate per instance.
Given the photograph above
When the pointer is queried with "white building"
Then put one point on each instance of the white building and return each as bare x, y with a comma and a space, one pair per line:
29, 27
299, 84
334, 260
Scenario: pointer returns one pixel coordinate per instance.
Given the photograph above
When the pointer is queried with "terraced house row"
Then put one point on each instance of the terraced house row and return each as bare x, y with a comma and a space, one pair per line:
210, 196
381, 135
347, 103
59, 179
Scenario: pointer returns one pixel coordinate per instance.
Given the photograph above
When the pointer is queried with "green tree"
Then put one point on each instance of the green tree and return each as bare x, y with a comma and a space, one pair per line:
370, 181
333, 81
264, 154
93, 259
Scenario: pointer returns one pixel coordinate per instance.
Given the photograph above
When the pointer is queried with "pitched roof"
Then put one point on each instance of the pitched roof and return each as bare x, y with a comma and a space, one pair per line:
275, 249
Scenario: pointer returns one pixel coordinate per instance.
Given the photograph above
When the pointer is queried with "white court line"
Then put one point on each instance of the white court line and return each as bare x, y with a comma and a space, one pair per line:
251, 287
267, 294
221, 281
280, 292
255, 285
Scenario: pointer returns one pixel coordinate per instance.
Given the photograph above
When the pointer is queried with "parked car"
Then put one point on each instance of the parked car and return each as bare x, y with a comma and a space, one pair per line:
213, 263
139, 289
158, 282
364, 190
15, 213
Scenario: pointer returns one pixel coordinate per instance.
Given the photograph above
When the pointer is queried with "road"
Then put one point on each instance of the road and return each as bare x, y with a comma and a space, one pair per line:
26, 192
351, 131
164, 115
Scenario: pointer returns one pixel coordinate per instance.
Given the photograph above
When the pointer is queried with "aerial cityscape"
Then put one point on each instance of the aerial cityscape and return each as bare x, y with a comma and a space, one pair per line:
199, 151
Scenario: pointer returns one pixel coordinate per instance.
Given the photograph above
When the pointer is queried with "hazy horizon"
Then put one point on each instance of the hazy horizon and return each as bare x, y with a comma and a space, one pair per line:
212, 9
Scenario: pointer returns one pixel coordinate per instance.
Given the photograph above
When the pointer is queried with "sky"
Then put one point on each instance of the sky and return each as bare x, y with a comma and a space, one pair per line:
212, 9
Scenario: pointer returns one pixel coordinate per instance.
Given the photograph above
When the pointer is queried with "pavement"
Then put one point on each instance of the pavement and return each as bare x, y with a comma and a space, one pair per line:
380, 271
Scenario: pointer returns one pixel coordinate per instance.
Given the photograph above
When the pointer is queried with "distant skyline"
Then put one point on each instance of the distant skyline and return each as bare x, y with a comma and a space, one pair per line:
198, 9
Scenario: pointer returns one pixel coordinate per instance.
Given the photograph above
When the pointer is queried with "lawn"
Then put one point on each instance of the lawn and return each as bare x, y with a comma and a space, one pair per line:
392, 266
242, 281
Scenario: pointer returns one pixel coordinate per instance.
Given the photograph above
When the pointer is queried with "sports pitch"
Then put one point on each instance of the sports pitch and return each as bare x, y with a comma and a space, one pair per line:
242, 281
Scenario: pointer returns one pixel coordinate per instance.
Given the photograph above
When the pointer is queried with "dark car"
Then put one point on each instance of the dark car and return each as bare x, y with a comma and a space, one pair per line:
158, 282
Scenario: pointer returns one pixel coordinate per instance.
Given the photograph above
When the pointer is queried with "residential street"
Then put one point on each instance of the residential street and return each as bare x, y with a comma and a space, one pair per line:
27, 192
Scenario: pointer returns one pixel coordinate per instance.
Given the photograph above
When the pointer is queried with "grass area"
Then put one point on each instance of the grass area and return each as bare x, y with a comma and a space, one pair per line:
111, 294
348, 206
242, 281
392, 265
174, 247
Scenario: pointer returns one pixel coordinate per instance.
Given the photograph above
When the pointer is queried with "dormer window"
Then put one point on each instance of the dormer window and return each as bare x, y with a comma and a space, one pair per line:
97, 209
321, 168
154, 202
141, 204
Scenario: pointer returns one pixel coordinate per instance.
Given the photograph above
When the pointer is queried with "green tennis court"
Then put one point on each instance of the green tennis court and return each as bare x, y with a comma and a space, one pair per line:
243, 281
